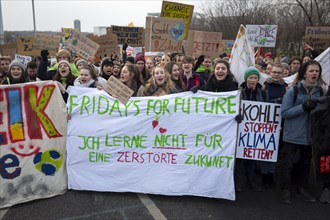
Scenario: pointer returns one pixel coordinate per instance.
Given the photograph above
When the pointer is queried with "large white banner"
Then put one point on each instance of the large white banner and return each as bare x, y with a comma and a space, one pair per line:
259, 132
180, 144
32, 142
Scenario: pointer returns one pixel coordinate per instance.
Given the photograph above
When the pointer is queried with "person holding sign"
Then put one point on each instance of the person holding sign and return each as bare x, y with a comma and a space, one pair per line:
159, 84
253, 91
222, 80
173, 69
16, 73
297, 104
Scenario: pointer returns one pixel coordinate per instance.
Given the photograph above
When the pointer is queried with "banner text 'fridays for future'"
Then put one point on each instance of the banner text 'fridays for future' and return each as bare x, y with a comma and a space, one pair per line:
182, 144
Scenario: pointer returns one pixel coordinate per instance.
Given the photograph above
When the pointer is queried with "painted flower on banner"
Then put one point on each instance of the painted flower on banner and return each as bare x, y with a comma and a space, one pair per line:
177, 32
48, 162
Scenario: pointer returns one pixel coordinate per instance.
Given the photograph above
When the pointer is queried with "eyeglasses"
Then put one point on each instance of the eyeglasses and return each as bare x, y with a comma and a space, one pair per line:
278, 73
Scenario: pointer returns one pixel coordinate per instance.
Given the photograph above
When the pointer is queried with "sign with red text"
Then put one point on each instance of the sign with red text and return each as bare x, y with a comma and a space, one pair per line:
164, 34
178, 10
261, 35
204, 43
259, 132
32, 142
152, 144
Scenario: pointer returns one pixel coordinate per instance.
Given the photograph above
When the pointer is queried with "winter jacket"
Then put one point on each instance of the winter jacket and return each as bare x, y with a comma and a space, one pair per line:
297, 126
259, 94
275, 90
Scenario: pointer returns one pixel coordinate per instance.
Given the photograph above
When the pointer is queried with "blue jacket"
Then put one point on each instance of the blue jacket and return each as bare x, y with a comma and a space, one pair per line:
297, 126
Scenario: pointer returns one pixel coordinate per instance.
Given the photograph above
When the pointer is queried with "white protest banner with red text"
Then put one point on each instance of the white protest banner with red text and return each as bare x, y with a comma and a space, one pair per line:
180, 144
32, 142
259, 132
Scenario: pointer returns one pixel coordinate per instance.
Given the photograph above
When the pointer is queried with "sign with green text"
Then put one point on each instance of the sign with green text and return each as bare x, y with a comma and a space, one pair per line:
153, 144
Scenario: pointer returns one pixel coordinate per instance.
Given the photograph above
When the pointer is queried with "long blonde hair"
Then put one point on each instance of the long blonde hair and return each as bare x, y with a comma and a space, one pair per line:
168, 84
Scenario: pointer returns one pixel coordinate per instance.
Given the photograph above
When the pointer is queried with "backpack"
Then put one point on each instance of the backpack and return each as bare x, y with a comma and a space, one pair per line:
296, 91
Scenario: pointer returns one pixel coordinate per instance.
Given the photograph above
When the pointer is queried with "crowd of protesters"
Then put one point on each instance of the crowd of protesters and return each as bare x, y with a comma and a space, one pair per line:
174, 73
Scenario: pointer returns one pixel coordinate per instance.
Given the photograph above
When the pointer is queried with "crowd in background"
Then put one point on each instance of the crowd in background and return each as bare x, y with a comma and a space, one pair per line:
174, 73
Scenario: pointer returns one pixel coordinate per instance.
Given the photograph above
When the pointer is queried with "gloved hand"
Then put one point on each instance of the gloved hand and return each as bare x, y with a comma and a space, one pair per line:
239, 118
44, 54
125, 45
309, 105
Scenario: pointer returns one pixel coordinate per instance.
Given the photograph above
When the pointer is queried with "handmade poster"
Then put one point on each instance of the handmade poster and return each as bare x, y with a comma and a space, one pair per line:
133, 36
262, 35
318, 37
178, 10
108, 45
179, 144
32, 142
118, 89
23, 59
259, 132
25, 46
204, 43
164, 34
44, 41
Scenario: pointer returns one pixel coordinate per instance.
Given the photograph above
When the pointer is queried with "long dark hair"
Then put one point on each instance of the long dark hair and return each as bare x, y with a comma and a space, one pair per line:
168, 67
303, 69
230, 74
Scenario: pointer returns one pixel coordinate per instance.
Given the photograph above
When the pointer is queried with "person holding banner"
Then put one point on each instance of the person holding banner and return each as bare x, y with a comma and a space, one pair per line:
159, 84
297, 105
222, 80
253, 91
16, 73
127, 76
87, 78
173, 69
64, 78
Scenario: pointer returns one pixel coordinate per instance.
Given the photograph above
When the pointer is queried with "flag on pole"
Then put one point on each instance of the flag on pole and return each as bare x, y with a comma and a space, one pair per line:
242, 55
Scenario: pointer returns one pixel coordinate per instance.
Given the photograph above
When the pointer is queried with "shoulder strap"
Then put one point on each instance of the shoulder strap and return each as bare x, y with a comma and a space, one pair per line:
295, 93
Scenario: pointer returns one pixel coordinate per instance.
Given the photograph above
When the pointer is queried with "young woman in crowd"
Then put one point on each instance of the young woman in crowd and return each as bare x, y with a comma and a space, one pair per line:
149, 66
80, 63
127, 77
296, 110
64, 77
173, 69
222, 80
160, 83
140, 62
251, 90
106, 69
87, 78
16, 73
116, 69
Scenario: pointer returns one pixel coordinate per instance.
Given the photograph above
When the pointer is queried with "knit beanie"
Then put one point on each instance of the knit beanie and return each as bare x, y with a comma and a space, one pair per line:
63, 61
84, 62
106, 61
130, 59
250, 71
17, 63
139, 57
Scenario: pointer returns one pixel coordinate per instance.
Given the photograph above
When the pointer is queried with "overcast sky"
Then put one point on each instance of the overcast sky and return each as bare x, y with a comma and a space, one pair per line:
52, 15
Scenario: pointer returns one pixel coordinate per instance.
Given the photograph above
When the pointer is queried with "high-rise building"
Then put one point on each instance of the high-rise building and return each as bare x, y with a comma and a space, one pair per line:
76, 24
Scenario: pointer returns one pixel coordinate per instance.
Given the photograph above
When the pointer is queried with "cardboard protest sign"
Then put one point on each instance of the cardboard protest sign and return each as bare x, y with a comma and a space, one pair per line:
50, 42
178, 10
32, 142
262, 35
118, 89
226, 46
134, 36
108, 45
23, 59
8, 49
203, 43
259, 132
318, 37
82, 46
67, 33
113, 145
164, 34
25, 46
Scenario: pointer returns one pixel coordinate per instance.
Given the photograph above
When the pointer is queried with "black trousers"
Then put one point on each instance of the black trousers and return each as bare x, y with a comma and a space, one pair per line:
288, 156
